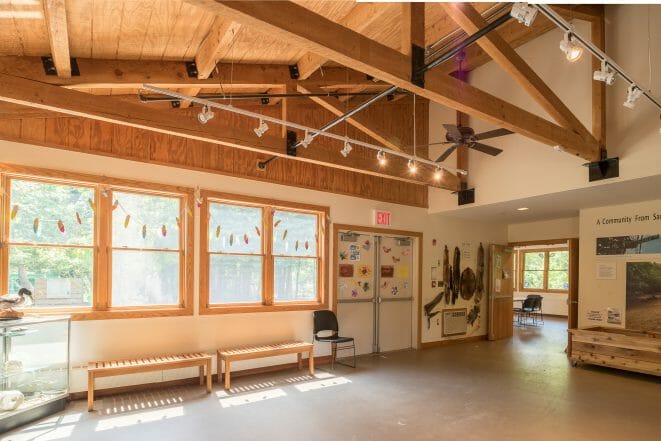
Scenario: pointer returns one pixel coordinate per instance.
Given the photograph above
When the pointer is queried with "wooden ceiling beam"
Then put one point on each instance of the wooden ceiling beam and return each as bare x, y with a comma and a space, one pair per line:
358, 19
413, 27
361, 122
67, 102
56, 22
297, 25
509, 60
125, 74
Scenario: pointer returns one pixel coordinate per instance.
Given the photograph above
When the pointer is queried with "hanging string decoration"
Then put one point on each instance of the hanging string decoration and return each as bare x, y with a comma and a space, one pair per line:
127, 220
284, 235
90, 202
115, 204
144, 231
245, 238
79, 219
259, 233
296, 246
218, 231
164, 230
231, 239
178, 222
35, 225
307, 245
60, 226
14, 212
275, 225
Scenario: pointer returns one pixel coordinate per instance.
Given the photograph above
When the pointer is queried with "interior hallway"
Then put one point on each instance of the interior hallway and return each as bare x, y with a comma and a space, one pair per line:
516, 389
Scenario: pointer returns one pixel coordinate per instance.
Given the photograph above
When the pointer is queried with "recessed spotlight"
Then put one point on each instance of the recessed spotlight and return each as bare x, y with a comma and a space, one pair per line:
633, 93
205, 115
437, 173
261, 129
381, 157
524, 13
572, 51
522, 209
558, 148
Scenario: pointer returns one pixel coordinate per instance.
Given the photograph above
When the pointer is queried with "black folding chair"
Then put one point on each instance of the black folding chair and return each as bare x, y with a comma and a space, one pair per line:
327, 321
537, 313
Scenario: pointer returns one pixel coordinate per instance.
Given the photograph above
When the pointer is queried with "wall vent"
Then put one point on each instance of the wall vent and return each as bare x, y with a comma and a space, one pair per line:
454, 322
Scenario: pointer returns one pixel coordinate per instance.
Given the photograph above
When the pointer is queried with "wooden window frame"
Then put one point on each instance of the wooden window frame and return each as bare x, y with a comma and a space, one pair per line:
521, 262
101, 307
268, 206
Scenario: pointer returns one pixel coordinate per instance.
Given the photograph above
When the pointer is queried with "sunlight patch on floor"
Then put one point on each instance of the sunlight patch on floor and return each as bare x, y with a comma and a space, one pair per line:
139, 418
322, 384
240, 400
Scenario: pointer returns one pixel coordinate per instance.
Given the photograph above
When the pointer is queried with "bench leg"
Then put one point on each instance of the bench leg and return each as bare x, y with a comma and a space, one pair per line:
219, 367
90, 391
209, 377
202, 375
227, 374
300, 360
311, 361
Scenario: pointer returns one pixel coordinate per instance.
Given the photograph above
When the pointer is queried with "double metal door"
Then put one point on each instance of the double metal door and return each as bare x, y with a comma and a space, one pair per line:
375, 291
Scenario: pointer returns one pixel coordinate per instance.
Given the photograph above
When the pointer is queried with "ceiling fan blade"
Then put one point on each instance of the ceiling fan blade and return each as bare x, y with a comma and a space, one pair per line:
447, 153
453, 132
493, 134
493, 151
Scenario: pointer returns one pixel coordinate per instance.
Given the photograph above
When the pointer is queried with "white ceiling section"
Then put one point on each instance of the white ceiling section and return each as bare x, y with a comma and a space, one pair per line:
554, 184
564, 204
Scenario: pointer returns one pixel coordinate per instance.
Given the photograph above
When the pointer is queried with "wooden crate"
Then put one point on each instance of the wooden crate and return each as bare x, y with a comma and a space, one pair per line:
618, 348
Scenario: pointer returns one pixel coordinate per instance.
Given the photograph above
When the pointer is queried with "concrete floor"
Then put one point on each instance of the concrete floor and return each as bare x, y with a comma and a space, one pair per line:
517, 389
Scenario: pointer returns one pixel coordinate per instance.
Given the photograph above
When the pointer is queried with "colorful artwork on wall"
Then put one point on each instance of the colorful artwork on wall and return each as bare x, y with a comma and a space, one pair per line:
346, 270
365, 271
387, 271
637, 244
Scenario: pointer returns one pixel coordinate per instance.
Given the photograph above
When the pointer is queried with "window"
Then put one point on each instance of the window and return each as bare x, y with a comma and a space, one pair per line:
544, 270
96, 247
260, 255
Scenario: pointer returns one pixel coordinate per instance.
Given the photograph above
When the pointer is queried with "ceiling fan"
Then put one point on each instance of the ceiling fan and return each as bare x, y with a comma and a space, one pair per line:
463, 135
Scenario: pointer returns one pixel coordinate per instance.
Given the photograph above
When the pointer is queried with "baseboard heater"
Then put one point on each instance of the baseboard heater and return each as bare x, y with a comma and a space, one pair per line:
454, 322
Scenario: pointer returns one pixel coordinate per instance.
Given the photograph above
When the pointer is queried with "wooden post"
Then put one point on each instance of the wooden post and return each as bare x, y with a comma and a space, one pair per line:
598, 38
90, 391
311, 360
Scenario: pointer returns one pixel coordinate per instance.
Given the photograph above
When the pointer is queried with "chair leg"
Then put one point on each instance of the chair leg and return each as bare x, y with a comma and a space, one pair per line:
354, 355
333, 355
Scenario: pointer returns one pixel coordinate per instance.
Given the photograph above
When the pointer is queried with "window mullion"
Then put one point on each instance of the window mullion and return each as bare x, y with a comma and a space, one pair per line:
103, 264
546, 271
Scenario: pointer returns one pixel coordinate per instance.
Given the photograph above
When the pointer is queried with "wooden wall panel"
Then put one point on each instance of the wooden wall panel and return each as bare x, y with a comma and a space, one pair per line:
96, 137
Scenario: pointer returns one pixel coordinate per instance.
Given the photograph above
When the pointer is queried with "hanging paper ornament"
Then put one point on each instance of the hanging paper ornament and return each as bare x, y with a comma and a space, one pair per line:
14, 211
189, 211
178, 222
284, 235
60, 226
307, 245
198, 202
164, 230
115, 204
245, 238
90, 202
144, 231
218, 231
231, 239
296, 246
78, 219
258, 232
127, 220
35, 225
275, 225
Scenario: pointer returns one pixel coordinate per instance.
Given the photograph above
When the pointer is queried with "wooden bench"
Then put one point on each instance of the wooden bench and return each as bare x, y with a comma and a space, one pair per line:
121, 367
261, 351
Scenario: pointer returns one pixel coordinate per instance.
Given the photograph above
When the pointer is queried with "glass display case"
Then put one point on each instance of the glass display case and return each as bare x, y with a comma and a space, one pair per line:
35, 368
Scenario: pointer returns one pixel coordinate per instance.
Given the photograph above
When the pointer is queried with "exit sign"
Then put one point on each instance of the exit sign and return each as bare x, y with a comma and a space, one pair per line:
382, 217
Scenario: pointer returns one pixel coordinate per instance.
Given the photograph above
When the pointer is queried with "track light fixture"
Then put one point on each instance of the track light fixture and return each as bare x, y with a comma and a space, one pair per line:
633, 93
524, 13
346, 149
261, 129
558, 148
413, 167
307, 139
605, 74
205, 115
438, 173
381, 157
572, 51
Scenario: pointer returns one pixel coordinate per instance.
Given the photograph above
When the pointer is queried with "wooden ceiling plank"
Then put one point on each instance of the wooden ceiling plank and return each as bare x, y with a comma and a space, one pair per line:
106, 25
358, 19
507, 58
284, 20
31, 93
58, 34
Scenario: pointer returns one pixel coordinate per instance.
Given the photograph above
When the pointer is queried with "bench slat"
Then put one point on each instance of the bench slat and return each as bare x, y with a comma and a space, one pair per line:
138, 363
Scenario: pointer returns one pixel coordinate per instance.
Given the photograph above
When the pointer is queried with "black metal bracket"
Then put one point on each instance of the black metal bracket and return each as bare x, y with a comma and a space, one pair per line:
265, 100
293, 72
465, 195
606, 168
291, 143
418, 65
49, 66
175, 104
191, 69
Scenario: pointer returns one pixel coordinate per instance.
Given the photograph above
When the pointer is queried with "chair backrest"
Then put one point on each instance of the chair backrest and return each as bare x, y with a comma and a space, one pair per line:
325, 320
528, 303
538, 302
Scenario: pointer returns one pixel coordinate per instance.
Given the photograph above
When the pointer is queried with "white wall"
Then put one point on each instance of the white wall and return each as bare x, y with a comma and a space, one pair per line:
543, 230
599, 295
527, 168
110, 339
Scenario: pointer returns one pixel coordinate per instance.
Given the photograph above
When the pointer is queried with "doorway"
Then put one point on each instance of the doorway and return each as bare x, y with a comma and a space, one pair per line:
376, 286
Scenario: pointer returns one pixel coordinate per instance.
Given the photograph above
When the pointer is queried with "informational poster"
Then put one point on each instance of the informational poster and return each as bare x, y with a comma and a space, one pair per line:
595, 315
606, 270
614, 316
466, 251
